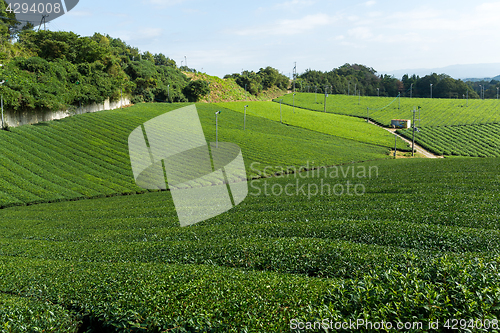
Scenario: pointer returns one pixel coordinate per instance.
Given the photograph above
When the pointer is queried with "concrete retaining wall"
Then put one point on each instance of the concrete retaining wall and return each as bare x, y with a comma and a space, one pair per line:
18, 118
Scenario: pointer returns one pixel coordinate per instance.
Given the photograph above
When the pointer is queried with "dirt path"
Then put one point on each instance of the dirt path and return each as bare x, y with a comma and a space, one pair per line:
417, 147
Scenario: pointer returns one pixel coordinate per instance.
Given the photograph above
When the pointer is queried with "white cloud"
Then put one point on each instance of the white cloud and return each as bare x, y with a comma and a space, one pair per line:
289, 27
360, 33
370, 3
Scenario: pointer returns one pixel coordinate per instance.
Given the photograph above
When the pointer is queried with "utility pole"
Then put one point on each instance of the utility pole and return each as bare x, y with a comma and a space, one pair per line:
281, 117
411, 90
245, 117
216, 130
3, 123
326, 95
413, 136
294, 75
395, 144
44, 22
367, 114
1, 102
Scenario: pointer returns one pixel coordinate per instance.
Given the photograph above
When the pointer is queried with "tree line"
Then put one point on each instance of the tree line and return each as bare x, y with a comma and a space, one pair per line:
359, 79
59, 70
56, 70
264, 79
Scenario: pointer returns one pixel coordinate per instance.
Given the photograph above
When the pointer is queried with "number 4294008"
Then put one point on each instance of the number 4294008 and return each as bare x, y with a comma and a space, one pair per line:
36, 8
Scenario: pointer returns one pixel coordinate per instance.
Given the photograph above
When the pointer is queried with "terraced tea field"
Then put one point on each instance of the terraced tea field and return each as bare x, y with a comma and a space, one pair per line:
433, 112
420, 242
446, 126
336, 125
467, 140
86, 156
386, 240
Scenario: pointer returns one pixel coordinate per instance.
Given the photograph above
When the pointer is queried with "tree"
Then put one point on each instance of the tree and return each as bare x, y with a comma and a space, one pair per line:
9, 26
196, 89
161, 60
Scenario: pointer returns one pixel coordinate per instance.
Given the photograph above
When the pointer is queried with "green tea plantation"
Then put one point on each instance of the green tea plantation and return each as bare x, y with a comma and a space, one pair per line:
334, 234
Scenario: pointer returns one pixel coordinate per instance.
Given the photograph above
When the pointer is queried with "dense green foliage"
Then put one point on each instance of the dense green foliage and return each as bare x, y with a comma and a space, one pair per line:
443, 86
265, 79
361, 80
196, 90
123, 264
25, 314
432, 112
87, 155
466, 140
490, 88
61, 70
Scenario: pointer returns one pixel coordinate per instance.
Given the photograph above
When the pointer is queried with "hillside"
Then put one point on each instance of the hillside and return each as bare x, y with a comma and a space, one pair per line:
86, 156
227, 90
432, 112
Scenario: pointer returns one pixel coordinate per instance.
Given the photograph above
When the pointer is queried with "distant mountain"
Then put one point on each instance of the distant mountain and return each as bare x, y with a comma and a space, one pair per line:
463, 72
496, 78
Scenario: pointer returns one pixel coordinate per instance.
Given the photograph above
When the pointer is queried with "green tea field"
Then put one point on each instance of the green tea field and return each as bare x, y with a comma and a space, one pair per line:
433, 112
420, 244
467, 140
445, 126
336, 125
351, 235
87, 156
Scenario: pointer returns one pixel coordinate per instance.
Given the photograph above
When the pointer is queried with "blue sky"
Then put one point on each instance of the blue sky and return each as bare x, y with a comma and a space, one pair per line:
224, 37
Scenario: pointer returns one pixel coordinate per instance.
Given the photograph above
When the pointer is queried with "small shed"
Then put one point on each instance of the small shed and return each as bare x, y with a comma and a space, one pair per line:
401, 123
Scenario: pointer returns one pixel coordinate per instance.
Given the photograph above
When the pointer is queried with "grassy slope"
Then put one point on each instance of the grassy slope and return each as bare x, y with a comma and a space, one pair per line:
87, 155
337, 125
433, 112
227, 90
124, 261
447, 126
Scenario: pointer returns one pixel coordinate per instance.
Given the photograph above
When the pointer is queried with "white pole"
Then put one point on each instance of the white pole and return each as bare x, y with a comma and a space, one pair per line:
281, 117
395, 144
3, 126
216, 130
245, 118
